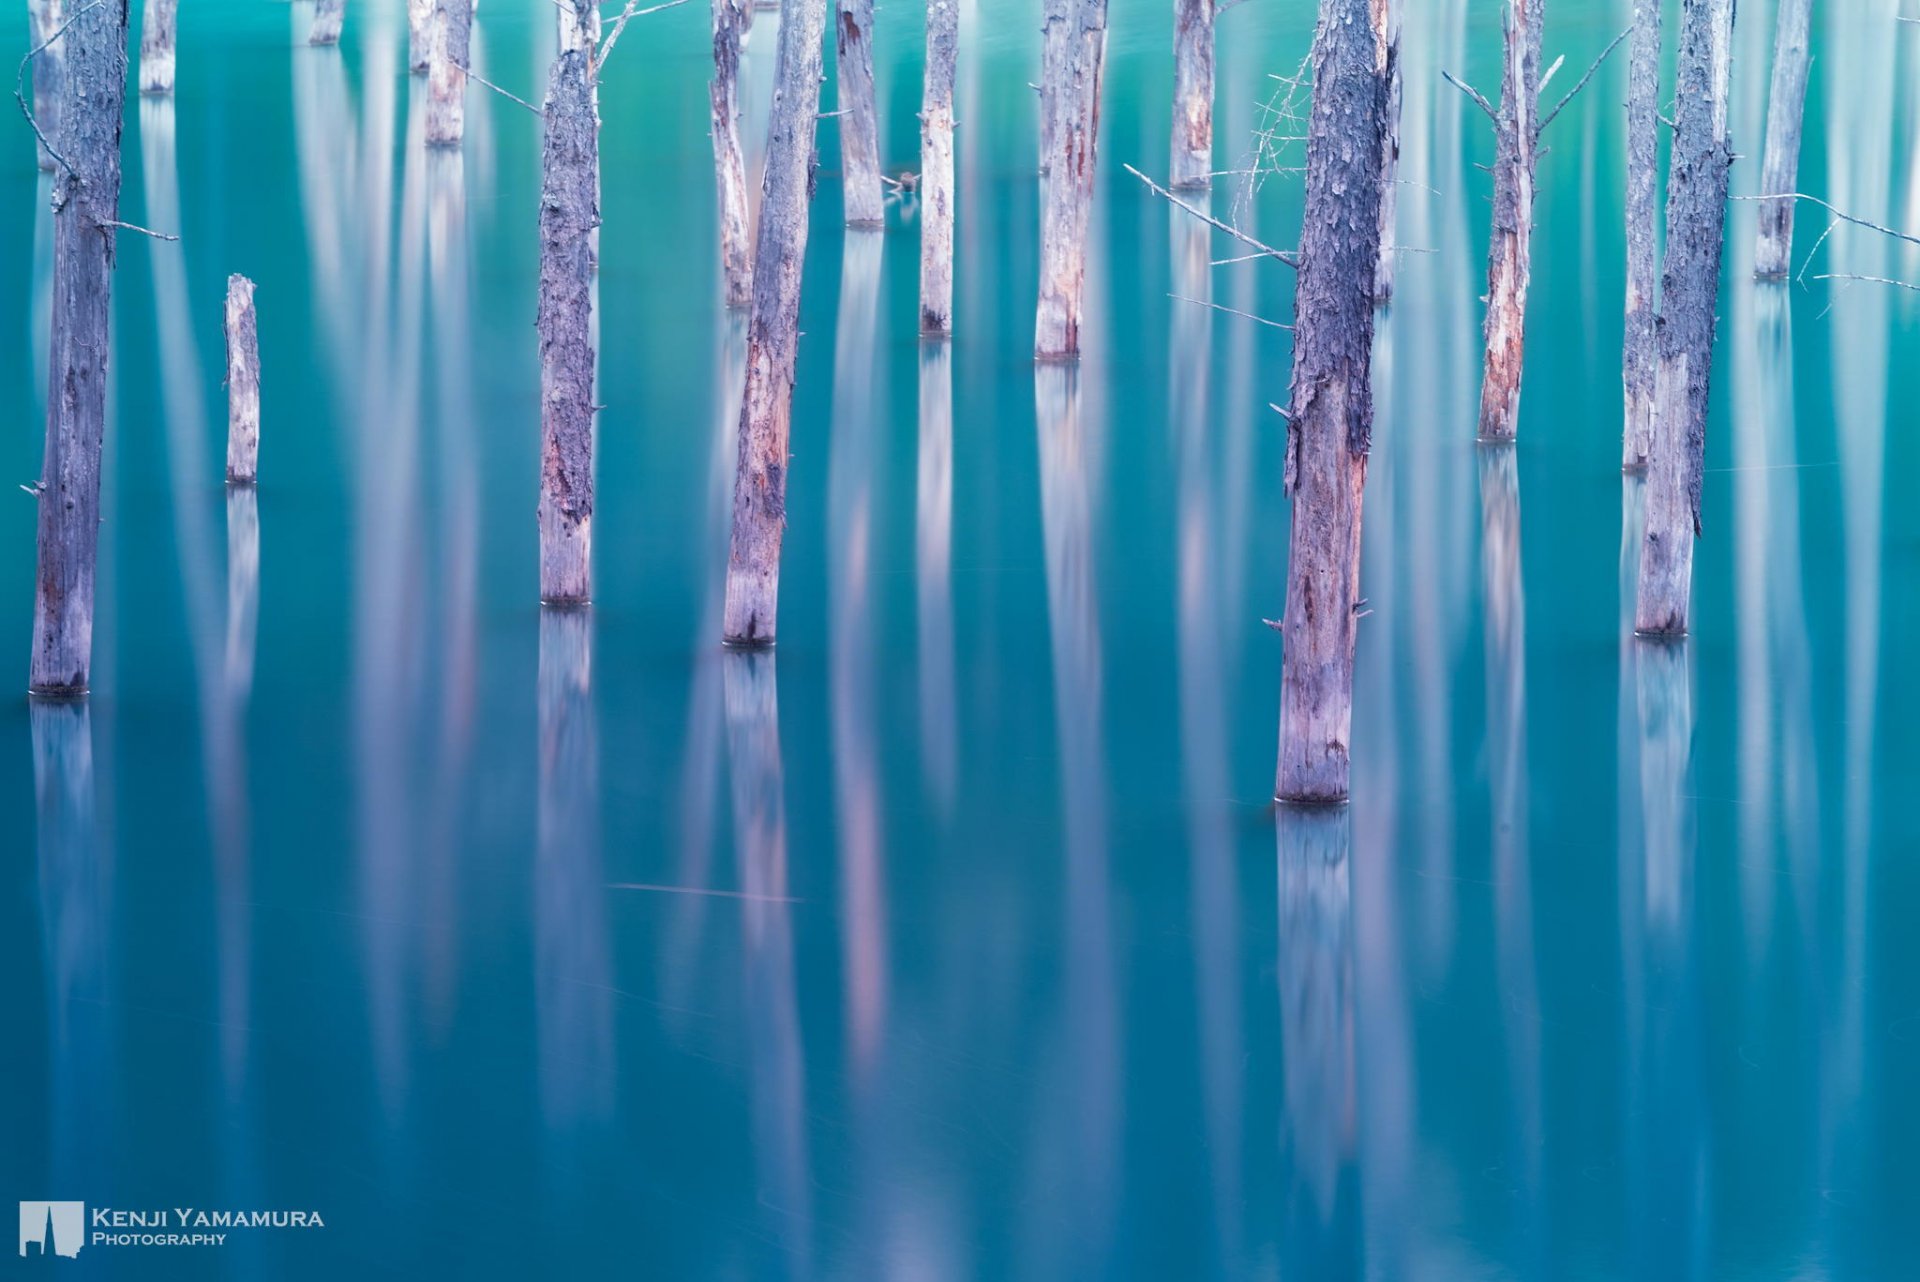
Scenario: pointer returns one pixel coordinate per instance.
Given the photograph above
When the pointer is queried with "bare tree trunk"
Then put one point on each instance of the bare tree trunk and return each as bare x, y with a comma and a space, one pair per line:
49, 69
773, 332
1786, 107
1076, 38
243, 384
1510, 257
729, 169
859, 116
1192, 94
1386, 20
420, 35
158, 25
448, 29
328, 17
1689, 288
1643, 212
86, 201
1330, 424
936, 168
569, 211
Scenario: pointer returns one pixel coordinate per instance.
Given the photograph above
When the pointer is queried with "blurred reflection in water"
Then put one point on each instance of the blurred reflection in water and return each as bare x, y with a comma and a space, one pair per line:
933, 574
778, 1087
1320, 1233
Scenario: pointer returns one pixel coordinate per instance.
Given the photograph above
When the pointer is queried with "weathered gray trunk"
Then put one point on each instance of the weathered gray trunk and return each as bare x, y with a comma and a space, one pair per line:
86, 201
1076, 39
447, 31
576, 26
49, 69
1192, 165
243, 383
1638, 356
936, 167
569, 211
328, 17
157, 27
420, 35
1689, 288
1510, 256
1786, 107
1330, 423
773, 332
859, 115
1387, 22
729, 168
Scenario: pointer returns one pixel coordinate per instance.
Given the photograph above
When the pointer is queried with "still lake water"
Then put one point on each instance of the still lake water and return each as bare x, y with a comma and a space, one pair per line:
958, 938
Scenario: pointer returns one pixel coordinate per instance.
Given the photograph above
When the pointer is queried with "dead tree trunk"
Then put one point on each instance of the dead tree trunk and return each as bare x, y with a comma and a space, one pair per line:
936, 168
569, 212
1786, 106
1076, 37
729, 169
420, 35
1330, 421
773, 332
448, 28
1510, 257
859, 116
243, 384
86, 201
1689, 288
157, 27
328, 17
1192, 94
49, 70
1643, 212
1387, 21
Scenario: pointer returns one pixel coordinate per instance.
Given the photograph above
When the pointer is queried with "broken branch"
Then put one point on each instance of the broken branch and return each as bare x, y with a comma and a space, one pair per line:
1582, 83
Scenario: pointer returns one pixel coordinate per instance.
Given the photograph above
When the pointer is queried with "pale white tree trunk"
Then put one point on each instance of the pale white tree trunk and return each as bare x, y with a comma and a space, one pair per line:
1638, 357
1510, 256
859, 114
448, 28
158, 27
936, 168
1786, 108
1192, 164
243, 383
1072, 68
729, 166
1387, 15
329, 16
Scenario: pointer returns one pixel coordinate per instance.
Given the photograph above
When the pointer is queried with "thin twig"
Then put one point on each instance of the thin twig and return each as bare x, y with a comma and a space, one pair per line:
1552, 71
1582, 84
1291, 260
1201, 302
620, 24
471, 74
144, 231
20, 80
1472, 93
1843, 217
1871, 280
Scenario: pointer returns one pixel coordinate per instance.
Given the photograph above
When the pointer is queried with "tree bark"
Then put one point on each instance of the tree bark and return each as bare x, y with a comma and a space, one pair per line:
86, 201
1689, 288
1510, 257
447, 32
773, 332
328, 17
1331, 421
859, 116
1192, 165
1643, 213
1786, 107
420, 35
243, 384
729, 168
1387, 16
569, 211
936, 168
1076, 40
158, 25
49, 70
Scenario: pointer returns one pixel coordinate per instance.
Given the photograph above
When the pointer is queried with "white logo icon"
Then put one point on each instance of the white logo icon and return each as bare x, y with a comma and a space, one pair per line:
53, 1228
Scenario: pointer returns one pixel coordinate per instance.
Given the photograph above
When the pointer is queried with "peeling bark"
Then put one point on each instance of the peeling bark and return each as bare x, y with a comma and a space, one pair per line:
1075, 51
859, 116
569, 212
1786, 108
1510, 256
448, 27
1330, 424
243, 384
1689, 288
49, 70
86, 202
773, 332
1192, 165
936, 168
1638, 357
729, 168
158, 25
329, 16
1387, 16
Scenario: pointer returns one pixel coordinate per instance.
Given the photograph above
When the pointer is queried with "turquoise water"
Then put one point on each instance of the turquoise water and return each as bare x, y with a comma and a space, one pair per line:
958, 937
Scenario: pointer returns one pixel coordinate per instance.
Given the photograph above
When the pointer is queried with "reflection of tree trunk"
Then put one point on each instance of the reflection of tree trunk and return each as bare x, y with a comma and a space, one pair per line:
1192, 94
859, 116
1786, 107
1510, 257
1071, 72
933, 570
1643, 212
729, 169
773, 331
936, 167
86, 202
157, 27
